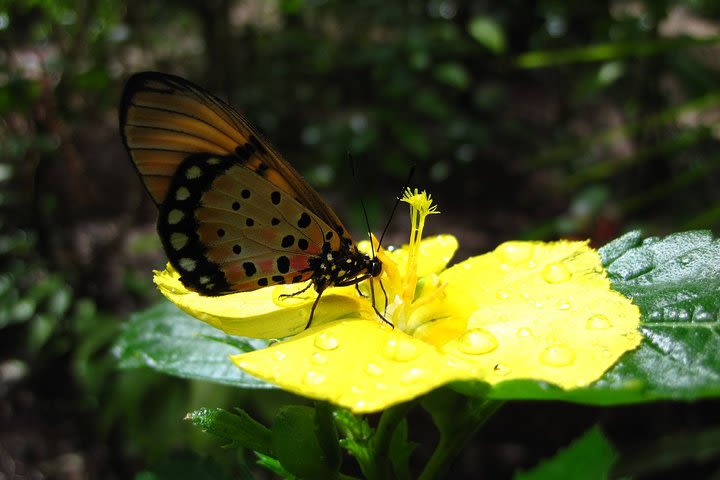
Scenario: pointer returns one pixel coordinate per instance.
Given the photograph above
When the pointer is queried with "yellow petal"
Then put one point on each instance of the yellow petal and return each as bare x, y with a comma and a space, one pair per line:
434, 254
539, 311
261, 313
362, 365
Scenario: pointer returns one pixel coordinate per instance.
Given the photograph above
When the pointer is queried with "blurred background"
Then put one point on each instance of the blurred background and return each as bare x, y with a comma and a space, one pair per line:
534, 119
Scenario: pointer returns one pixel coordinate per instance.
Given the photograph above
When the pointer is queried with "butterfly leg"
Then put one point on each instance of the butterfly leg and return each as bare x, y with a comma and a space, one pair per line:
361, 278
312, 310
298, 292
372, 302
382, 287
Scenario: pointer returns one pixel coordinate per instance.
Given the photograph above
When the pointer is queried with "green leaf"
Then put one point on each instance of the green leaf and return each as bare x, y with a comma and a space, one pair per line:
674, 281
274, 466
237, 429
400, 451
327, 434
296, 445
589, 457
453, 74
168, 340
488, 33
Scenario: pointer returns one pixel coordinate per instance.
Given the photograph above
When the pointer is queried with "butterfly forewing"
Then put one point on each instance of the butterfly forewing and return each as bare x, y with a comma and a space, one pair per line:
233, 215
165, 118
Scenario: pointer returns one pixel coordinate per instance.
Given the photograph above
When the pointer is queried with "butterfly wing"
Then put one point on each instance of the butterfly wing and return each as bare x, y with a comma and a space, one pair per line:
165, 118
234, 216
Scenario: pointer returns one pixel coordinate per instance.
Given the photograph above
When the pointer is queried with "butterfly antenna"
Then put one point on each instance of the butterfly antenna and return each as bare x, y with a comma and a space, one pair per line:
397, 202
353, 168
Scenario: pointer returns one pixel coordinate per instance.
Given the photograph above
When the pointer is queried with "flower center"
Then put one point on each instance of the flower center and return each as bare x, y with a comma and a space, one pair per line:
411, 301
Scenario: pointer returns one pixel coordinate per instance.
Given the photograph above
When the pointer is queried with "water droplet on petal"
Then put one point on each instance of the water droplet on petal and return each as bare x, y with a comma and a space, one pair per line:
563, 305
324, 341
685, 259
279, 355
557, 356
358, 390
502, 370
412, 376
524, 332
318, 358
373, 370
502, 295
649, 240
313, 378
477, 341
556, 273
598, 322
515, 252
401, 350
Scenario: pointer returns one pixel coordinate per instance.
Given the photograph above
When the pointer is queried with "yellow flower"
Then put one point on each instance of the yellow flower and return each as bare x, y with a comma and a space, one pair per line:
528, 310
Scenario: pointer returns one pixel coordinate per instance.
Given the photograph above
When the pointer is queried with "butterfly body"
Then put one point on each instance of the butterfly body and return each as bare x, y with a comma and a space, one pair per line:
233, 215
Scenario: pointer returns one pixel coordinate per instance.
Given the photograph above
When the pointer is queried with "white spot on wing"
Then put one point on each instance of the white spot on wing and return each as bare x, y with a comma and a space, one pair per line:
193, 172
178, 240
187, 264
182, 193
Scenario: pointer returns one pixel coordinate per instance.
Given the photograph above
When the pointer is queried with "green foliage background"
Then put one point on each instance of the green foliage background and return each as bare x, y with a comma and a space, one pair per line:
526, 119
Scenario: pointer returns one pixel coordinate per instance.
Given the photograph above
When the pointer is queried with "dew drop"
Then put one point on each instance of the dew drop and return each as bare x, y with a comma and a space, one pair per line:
655, 315
324, 341
524, 332
373, 370
556, 273
502, 370
557, 356
401, 350
279, 355
412, 376
515, 252
683, 315
563, 305
598, 322
649, 240
319, 358
477, 341
685, 260
357, 390
502, 295
313, 378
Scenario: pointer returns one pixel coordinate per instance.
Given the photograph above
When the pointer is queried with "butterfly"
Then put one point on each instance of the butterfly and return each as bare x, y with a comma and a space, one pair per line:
234, 216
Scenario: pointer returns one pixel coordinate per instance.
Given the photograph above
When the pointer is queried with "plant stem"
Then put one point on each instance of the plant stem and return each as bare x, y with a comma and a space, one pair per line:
380, 441
466, 424
389, 421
